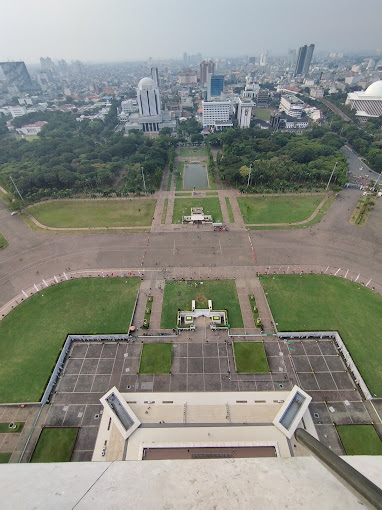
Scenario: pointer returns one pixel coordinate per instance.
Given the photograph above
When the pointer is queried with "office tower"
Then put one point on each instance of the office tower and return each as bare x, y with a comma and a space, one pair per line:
264, 59
155, 75
304, 59
215, 85
15, 74
291, 57
148, 97
185, 59
205, 69
244, 112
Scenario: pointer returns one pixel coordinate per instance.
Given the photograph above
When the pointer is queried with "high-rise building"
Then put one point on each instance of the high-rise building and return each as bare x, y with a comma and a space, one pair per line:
214, 111
244, 111
205, 69
291, 57
148, 98
264, 59
155, 75
215, 85
15, 74
304, 59
185, 59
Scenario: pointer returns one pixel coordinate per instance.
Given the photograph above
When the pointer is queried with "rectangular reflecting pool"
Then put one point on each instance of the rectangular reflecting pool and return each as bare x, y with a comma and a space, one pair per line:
195, 174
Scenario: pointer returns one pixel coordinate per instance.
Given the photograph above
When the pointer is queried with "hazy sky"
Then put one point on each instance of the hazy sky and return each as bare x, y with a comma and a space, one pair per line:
117, 30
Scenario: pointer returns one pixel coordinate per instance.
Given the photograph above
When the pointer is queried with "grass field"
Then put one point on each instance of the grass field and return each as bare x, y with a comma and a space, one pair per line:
164, 212
3, 242
156, 359
4, 458
183, 194
262, 113
229, 209
281, 209
169, 181
180, 294
97, 213
4, 427
325, 303
32, 335
187, 152
360, 439
179, 177
250, 357
55, 445
182, 207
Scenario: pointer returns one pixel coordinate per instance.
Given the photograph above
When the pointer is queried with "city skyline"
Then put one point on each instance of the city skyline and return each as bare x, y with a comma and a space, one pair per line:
122, 31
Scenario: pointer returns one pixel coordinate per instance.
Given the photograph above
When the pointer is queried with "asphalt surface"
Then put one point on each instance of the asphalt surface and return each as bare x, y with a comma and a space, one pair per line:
358, 169
32, 255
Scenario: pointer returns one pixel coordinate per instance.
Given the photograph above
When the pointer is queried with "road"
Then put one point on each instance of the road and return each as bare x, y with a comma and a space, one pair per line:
32, 255
336, 110
357, 167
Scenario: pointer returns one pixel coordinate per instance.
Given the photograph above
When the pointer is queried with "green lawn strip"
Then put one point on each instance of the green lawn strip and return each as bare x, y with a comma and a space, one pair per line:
35, 227
4, 427
254, 309
169, 181
97, 213
187, 152
212, 193
250, 357
156, 359
55, 444
182, 207
179, 177
164, 212
149, 305
179, 295
229, 209
5, 197
211, 176
183, 194
4, 457
324, 303
32, 335
3, 242
280, 209
262, 113
360, 439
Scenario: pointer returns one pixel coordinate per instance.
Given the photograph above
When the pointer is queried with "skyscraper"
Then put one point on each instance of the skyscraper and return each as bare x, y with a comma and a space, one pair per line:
304, 59
205, 68
15, 74
215, 85
155, 75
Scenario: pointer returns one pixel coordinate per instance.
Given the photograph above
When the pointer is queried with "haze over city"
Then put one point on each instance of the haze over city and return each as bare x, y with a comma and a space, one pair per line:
120, 30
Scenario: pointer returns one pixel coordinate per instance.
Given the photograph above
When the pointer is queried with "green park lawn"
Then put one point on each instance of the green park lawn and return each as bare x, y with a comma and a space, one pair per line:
4, 457
55, 444
156, 359
325, 303
3, 242
360, 439
194, 152
278, 209
32, 335
262, 113
250, 357
182, 207
97, 213
178, 295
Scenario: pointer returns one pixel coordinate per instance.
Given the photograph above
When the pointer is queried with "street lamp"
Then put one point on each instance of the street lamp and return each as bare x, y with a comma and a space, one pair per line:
249, 175
143, 178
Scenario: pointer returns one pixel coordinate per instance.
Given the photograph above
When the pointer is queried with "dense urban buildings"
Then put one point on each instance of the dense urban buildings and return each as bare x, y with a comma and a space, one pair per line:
205, 69
16, 77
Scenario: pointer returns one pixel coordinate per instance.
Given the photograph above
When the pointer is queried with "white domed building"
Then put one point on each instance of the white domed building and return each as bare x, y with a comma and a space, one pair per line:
150, 119
368, 103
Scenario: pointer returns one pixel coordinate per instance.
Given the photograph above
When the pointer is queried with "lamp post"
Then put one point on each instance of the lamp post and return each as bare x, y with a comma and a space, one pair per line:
143, 178
331, 175
249, 175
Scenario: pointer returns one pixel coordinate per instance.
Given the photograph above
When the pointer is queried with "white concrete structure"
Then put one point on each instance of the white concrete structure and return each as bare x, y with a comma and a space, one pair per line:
196, 420
17, 111
148, 98
244, 112
215, 110
368, 103
31, 129
292, 106
248, 484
